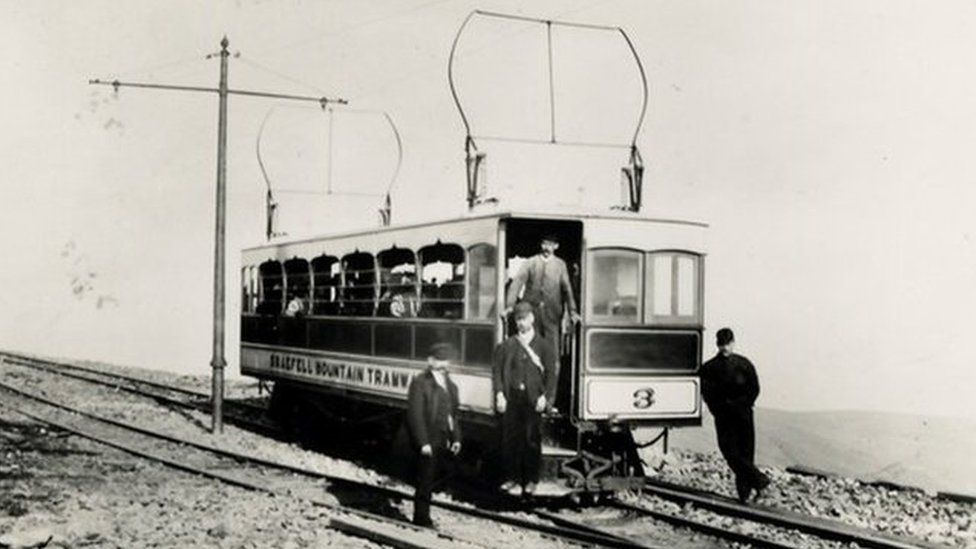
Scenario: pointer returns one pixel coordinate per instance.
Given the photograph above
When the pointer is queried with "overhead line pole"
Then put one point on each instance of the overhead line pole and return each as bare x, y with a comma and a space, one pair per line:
218, 362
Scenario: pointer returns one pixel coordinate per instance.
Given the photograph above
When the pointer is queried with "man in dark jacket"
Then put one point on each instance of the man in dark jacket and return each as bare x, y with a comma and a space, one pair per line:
729, 388
524, 381
435, 434
547, 288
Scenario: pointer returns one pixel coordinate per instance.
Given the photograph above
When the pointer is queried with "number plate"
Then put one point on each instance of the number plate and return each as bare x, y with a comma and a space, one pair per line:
641, 397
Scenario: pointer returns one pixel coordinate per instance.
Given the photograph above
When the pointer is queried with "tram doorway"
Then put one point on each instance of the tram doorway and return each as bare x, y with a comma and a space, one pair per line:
523, 239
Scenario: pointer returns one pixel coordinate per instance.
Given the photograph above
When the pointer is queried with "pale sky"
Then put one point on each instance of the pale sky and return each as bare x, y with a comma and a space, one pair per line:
829, 145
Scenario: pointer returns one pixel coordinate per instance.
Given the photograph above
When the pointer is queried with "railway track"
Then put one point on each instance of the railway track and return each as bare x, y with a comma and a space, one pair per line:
820, 527
248, 474
243, 414
560, 525
258, 473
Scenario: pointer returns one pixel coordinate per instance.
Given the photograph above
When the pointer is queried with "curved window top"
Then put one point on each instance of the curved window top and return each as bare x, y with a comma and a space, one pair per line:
398, 278
271, 288
442, 281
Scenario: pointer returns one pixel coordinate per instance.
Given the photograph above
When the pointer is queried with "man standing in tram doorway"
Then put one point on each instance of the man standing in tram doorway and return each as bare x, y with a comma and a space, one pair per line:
435, 434
730, 387
547, 288
524, 381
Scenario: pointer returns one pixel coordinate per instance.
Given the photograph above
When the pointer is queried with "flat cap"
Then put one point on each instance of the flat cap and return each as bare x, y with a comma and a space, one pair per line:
724, 337
521, 310
442, 351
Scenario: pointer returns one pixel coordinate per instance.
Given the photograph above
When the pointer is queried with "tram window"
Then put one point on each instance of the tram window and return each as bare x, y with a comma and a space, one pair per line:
271, 284
481, 281
442, 281
615, 277
398, 283
298, 278
327, 281
673, 292
358, 284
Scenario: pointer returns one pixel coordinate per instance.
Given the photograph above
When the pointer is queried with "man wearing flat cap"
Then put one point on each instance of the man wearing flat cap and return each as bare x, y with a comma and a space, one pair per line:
547, 288
435, 434
730, 387
524, 382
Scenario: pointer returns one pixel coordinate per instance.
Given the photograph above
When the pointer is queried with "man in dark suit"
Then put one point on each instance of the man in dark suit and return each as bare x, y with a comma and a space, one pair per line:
730, 387
524, 382
435, 434
547, 288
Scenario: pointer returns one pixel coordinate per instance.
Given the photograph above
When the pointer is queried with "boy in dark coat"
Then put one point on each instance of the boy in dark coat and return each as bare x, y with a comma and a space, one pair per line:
730, 387
435, 434
524, 381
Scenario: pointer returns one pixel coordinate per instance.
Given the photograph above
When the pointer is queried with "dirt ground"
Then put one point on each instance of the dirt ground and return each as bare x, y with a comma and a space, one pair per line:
58, 490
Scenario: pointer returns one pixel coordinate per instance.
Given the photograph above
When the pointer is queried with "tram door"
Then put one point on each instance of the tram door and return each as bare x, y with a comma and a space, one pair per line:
523, 239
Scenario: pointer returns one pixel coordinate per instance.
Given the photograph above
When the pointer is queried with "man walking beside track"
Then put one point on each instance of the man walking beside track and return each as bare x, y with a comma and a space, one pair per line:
435, 434
547, 288
524, 381
729, 387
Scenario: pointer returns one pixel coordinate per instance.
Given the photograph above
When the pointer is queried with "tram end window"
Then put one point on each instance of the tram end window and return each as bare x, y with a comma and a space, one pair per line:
673, 288
615, 285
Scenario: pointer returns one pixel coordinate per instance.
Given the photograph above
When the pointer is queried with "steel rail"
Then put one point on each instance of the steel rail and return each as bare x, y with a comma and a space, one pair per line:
703, 527
824, 528
407, 531
58, 368
590, 536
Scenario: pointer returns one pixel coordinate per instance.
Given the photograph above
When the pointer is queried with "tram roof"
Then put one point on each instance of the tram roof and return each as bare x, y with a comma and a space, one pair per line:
521, 214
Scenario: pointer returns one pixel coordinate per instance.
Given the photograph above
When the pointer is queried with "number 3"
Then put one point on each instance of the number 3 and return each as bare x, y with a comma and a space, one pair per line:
643, 398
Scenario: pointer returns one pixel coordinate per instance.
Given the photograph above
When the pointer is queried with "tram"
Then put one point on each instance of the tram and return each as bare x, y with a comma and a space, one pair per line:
342, 323
372, 302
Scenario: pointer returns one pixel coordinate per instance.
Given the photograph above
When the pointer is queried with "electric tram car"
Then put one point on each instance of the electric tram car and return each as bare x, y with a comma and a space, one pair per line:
345, 321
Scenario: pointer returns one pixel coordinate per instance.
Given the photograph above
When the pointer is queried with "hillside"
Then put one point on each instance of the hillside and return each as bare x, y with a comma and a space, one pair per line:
935, 453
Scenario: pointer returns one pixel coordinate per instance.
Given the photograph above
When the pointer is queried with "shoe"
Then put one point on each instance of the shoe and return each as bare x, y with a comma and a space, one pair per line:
764, 483
529, 489
510, 487
424, 523
744, 496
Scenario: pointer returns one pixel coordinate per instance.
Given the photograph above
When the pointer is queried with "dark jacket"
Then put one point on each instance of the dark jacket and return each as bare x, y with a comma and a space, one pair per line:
513, 366
428, 408
729, 383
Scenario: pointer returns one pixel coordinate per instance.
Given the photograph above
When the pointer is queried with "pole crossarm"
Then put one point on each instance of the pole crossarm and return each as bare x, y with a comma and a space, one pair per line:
323, 101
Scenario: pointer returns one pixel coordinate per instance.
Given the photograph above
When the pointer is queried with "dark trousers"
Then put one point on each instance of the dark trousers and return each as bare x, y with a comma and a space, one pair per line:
432, 472
521, 440
737, 442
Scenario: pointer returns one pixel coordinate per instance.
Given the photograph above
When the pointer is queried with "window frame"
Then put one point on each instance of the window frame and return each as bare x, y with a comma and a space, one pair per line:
674, 319
346, 289
462, 282
593, 318
334, 262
